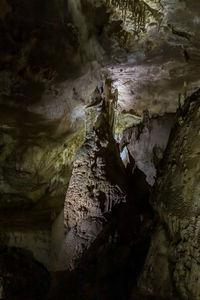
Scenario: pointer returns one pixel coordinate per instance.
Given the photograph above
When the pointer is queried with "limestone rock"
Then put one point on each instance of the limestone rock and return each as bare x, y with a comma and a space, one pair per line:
176, 200
145, 143
97, 183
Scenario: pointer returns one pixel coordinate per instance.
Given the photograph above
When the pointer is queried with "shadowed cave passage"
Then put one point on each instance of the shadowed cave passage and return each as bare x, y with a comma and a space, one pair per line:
99, 149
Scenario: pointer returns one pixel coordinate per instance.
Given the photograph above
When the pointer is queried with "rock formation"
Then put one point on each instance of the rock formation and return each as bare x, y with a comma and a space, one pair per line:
98, 180
98, 198
175, 243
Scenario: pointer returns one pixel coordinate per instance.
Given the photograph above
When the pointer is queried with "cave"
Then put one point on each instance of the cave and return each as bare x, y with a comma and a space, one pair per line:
99, 150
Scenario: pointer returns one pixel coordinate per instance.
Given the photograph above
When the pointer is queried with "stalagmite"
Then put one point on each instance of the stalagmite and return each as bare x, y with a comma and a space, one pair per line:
98, 179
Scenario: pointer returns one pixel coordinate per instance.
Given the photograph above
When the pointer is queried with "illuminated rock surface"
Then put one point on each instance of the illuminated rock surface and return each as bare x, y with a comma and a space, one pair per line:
175, 244
86, 86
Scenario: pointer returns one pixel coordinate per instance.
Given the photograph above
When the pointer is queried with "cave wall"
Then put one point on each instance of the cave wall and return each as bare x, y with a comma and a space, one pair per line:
175, 244
53, 55
18, 271
143, 145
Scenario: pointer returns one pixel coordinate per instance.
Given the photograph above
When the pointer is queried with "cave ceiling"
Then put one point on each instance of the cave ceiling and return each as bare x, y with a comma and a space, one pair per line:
54, 53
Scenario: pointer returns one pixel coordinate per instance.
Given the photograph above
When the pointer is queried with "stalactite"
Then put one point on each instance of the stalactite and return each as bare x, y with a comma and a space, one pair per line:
137, 8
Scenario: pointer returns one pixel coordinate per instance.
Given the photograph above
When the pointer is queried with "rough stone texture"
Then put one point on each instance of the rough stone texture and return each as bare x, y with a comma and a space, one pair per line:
156, 278
97, 183
52, 56
160, 66
176, 200
40, 165
50, 64
42, 110
109, 268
